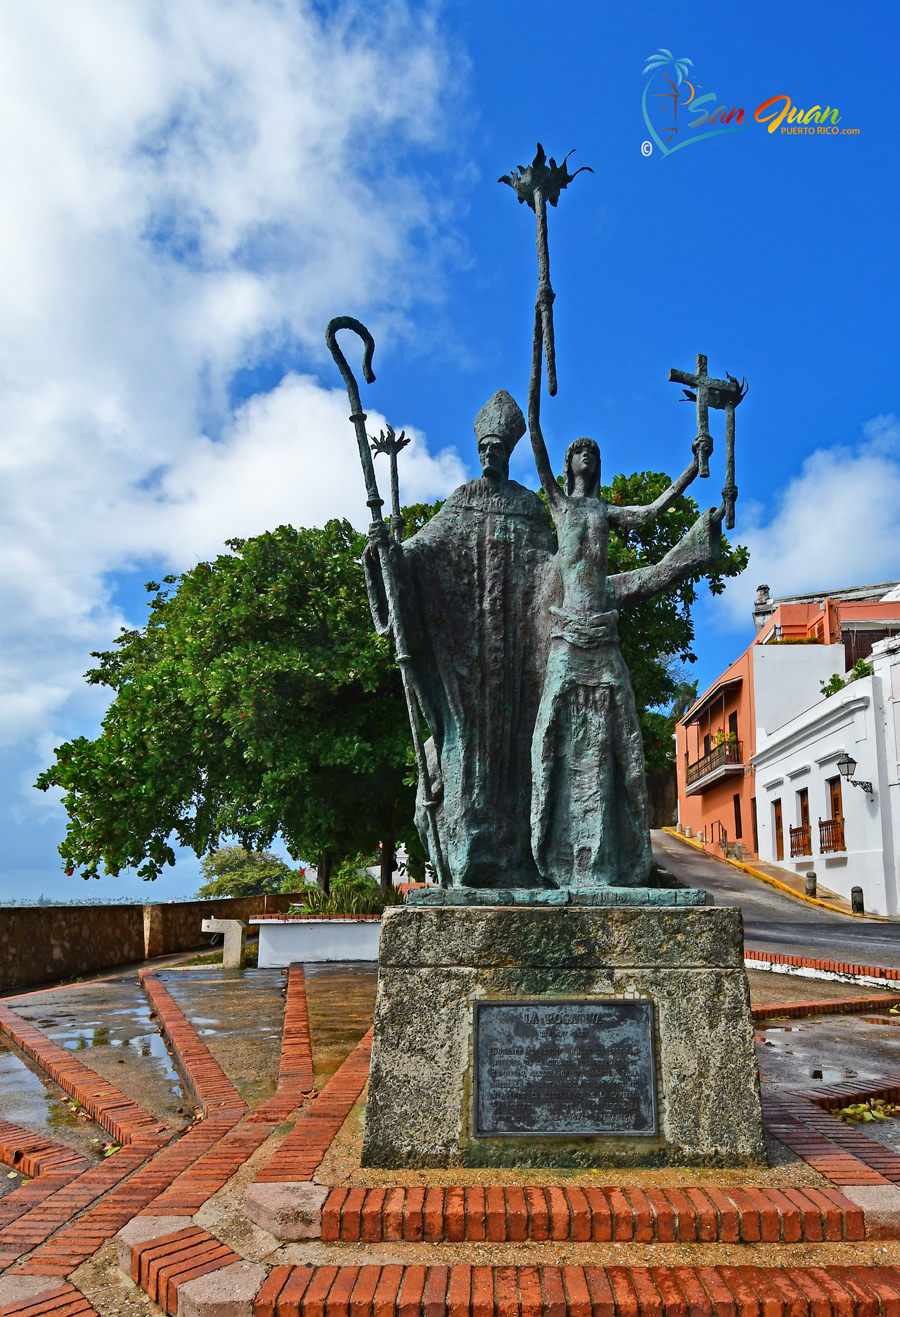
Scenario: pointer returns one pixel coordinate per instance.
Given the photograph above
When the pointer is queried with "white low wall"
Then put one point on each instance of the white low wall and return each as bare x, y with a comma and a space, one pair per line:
284, 942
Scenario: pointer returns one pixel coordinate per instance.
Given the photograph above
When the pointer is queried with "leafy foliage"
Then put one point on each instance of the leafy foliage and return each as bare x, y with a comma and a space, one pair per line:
837, 683
361, 899
256, 700
235, 871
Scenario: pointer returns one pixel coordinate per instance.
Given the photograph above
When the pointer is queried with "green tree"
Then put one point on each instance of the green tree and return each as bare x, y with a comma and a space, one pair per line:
257, 700
235, 871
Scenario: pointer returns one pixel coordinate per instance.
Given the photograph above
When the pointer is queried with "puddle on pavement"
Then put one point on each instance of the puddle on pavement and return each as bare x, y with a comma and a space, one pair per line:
829, 1050
239, 1014
25, 1101
341, 1002
108, 1025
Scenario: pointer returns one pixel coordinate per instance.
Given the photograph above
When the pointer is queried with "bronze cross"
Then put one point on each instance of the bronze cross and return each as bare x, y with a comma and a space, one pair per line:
725, 396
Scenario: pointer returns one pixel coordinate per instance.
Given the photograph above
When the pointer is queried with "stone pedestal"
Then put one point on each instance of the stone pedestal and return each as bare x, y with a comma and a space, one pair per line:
562, 1036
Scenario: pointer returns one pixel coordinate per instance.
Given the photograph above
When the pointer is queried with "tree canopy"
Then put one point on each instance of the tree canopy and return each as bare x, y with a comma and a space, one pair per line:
257, 700
235, 871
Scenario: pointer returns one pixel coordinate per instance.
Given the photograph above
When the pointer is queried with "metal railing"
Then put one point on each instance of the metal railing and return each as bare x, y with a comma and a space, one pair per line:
831, 835
801, 840
719, 836
729, 752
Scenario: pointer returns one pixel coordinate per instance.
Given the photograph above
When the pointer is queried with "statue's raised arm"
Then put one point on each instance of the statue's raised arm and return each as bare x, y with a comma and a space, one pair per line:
641, 513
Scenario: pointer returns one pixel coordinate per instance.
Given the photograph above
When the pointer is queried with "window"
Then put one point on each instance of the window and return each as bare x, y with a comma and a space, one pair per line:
803, 808
707, 743
833, 798
738, 832
732, 726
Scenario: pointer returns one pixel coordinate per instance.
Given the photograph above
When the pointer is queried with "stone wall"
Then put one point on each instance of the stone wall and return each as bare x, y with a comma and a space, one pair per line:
40, 944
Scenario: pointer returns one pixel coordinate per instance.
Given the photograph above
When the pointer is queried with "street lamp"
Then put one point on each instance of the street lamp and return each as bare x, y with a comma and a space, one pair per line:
847, 767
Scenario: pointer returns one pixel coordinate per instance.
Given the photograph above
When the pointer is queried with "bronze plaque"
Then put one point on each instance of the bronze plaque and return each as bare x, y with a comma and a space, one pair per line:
564, 1068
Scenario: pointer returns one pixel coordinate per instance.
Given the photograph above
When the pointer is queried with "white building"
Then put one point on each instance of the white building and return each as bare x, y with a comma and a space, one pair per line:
847, 832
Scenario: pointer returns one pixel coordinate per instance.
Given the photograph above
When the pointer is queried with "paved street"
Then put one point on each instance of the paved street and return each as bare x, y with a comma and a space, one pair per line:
774, 921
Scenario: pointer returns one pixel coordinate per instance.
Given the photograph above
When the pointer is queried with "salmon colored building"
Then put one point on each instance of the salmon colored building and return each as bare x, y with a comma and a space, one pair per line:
801, 642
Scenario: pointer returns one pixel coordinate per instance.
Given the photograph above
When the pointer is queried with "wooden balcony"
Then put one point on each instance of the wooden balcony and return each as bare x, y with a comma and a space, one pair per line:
725, 760
801, 841
831, 835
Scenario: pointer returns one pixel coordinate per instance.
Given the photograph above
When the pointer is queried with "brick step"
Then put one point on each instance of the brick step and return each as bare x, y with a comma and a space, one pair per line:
575, 1291
164, 1264
123, 1119
689, 1215
210, 1087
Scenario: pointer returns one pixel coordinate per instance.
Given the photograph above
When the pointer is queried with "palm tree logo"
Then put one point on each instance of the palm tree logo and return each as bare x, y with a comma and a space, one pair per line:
664, 67
674, 71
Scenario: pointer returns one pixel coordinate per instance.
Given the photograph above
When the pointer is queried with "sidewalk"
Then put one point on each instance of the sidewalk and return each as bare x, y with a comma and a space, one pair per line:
785, 879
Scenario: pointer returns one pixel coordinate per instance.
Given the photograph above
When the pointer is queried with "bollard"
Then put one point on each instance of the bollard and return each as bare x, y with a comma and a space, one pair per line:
856, 901
811, 883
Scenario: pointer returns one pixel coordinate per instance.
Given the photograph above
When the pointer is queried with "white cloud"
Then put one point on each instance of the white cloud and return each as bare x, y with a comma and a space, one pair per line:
190, 187
835, 524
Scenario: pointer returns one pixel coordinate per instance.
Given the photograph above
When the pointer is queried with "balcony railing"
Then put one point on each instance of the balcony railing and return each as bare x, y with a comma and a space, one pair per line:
728, 754
831, 835
801, 841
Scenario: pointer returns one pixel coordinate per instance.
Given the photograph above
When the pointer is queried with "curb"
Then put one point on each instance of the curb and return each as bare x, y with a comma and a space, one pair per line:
774, 882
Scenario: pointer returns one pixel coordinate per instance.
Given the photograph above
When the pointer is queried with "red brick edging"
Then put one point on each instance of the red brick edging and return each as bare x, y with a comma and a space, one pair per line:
210, 1086
827, 966
34, 1155
119, 1115
798, 1010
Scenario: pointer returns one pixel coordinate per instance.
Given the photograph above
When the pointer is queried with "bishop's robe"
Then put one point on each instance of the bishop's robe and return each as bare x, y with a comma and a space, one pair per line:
470, 585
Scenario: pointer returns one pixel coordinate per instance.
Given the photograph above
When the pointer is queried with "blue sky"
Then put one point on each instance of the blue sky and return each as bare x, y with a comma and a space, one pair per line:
198, 187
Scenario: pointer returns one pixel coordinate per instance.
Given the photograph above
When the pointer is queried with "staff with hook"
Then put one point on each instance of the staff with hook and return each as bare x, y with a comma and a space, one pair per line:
375, 504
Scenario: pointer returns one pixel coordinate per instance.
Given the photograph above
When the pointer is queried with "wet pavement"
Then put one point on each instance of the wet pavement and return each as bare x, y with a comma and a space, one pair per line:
239, 1015
341, 1003
110, 1022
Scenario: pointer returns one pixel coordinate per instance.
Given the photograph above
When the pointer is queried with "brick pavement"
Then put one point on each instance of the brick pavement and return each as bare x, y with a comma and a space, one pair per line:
144, 1181
301, 1152
119, 1115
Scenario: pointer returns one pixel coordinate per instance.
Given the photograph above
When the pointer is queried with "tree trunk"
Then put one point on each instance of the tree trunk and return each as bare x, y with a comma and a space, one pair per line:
388, 858
324, 873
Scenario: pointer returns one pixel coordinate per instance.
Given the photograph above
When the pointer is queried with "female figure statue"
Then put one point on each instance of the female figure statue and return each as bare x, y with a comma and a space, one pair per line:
589, 793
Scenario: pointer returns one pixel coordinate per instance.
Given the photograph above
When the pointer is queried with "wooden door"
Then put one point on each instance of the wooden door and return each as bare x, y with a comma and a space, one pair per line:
803, 802
834, 797
779, 833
